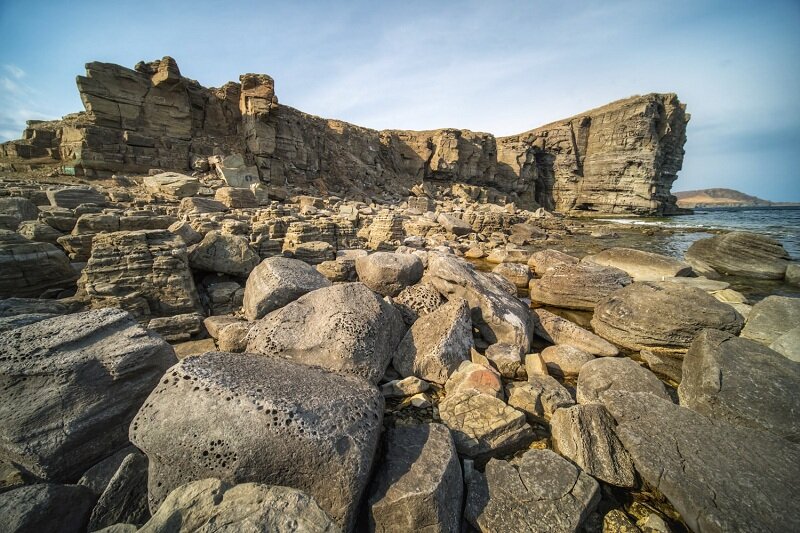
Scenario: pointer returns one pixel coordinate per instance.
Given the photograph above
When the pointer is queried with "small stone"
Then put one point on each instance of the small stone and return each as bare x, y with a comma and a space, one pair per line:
539, 398
404, 387
565, 360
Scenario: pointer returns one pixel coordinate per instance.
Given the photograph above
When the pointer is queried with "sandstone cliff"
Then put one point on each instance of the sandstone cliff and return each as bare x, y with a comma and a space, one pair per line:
620, 158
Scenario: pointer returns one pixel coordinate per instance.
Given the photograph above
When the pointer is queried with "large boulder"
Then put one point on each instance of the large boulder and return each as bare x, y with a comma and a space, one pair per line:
543, 260
661, 316
616, 373
742, 382
418, 487
248, 418
559, 330
719, 477
345, 328
15, 210
70, 386
772, 317
640, 265
436, 344
537, 492
389, 273
146, 269
788, 344
214, 505
277, 281
223, 253
46, 507
577, 286
172, 184
499, 316
741, 254
453, 224
30, 268
564, 360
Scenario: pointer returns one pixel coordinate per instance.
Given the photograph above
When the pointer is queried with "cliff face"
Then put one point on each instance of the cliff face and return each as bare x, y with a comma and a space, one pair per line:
620, 158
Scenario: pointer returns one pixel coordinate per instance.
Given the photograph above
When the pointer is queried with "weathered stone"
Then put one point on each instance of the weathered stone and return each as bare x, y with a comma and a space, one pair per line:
172, 184
640, 265
578, 286
558, 330
418, 300
186, 232
475, 377
200, 206
516, 273
97, 477
246, 418
701, 466
124, 500
314, 252
345, 328
236, 198
177, 328
214, 505
539, 397
543, 260
277, 281
14, 211
453, 224
772, 317
499, 316
742, 382
788, 344
661, 316
187, 348
419, 486
436, 344
70, 386
742, 254
39, 232
584, 434
565, 360
389, 273
537, 492
72, 197
30, 268
398, 388
666, 365
46, 507
616, 373
793, 274
227, 254
508, 359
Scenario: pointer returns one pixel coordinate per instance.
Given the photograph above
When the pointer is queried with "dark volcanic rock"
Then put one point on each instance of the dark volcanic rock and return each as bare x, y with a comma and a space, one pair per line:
742, 254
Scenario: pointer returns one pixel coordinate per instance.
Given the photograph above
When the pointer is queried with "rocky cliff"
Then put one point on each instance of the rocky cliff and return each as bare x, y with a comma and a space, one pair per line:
620, 158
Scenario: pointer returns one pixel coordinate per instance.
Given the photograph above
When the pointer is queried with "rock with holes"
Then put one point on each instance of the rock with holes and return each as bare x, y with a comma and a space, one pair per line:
277, 281
30, 268
772, 317
417, 301
663, 316
223, 253
498, 315
249, 418
436, 344
558, 330
742, 382
616, 373
640, 265
69, 387
215, 505
740, 253
584, 434
419, 486
539, 397
577, 286
389, 273
124, 499
46, 507
537, 492
719, 477
345, 328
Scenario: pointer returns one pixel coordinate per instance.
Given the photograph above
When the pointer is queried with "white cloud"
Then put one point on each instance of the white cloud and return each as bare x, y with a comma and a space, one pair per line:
14, 71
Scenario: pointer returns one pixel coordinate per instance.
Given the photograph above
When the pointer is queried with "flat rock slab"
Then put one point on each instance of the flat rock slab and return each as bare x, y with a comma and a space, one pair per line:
742, 382
742, 254
46, 507
772, 317
719, 477
558, 330
616, 373
250, 418
172, 184
661, 316
538, 492
640, 265
418, 487
30, 268
577, 286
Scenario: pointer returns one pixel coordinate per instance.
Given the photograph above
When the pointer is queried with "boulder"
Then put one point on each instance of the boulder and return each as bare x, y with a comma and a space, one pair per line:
564, 360
537, 492
452, 224
616, 373
508, 359
72, 197
177, 328
124, 500
640, 265
742, 382
186, 232
97, 477
36, 231
418, 300
584, 434
719, 477
31, 268
539, 397
793, 274
345, 328
400, 388
499, 316
236, 198
516, 273
69, 387
247, 418
788, 344
314, 252
223, 253
543, 260
419, 486
214, 505
436, 344
558, 330
172, 184
15, 210
200, 206
389, 273
661, 316
277, 281
475, 377
577, 286
742, 254
46, 507
772, 317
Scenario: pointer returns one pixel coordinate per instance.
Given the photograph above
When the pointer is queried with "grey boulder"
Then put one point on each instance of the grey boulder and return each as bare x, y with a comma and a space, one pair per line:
741, 254
30, 268
124, 499
640, 265
616, 373
389, 273
277, 281
46, 507
577, 286
539, 397
558, 330
772, 317
223, 253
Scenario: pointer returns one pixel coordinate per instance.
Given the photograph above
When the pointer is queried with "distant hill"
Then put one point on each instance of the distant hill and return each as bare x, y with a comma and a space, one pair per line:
718, 198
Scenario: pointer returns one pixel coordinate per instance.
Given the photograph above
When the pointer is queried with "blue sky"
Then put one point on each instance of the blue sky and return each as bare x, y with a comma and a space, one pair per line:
496, 66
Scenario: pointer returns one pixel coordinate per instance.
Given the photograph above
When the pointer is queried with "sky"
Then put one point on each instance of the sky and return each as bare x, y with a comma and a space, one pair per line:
497, 66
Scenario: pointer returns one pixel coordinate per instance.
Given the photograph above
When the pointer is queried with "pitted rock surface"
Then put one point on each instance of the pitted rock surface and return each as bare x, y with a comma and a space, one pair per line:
417, 301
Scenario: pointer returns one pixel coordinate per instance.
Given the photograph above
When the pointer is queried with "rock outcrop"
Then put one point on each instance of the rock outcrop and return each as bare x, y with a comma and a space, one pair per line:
619, 158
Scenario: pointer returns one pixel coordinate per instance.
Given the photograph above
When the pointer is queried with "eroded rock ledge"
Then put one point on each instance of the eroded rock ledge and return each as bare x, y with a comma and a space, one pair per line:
619, 158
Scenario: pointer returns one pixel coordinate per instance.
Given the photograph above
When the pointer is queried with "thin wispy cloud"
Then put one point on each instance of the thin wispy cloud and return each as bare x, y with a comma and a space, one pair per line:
14, 71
